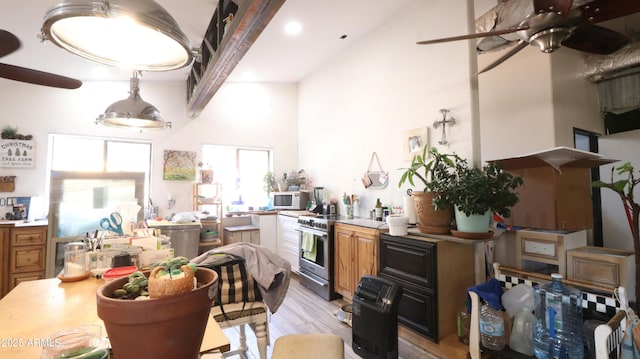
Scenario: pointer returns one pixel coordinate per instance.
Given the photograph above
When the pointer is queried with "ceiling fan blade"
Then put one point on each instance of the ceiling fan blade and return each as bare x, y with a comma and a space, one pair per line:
596, 40
36, 77
8, 43
603, 10
514, 50
474, 36
562, 6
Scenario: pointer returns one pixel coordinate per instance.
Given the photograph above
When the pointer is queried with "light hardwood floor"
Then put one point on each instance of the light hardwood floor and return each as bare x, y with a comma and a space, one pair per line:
302, 311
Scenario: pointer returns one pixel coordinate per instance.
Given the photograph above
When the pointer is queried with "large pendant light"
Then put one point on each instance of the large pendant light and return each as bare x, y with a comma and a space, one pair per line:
131, 34
133, 112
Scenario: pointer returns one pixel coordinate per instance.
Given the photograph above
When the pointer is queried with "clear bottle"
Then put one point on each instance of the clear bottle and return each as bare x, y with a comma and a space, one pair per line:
491, 328
464, 324
521, 339
558, 311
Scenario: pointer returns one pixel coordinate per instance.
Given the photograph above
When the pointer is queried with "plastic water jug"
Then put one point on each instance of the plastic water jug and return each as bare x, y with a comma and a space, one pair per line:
558, 311
521, 339
514, 299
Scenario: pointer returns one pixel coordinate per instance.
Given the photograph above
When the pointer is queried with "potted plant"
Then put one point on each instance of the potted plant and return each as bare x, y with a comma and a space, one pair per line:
624, 187
480, 192
170, 323
435, 172
270, 183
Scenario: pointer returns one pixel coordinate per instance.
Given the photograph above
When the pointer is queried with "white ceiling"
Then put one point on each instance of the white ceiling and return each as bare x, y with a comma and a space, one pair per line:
273, 57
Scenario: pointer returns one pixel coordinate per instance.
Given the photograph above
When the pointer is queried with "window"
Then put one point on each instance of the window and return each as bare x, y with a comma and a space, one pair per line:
91, 177
588, 141
241, 172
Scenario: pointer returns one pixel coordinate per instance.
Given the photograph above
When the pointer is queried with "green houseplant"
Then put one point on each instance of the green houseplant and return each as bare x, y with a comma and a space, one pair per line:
625, 187
434, 173
481, 192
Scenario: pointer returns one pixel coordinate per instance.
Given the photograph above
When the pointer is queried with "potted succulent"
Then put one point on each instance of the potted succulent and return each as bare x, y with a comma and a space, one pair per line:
625, 187
480, 192
434, 173
172, 320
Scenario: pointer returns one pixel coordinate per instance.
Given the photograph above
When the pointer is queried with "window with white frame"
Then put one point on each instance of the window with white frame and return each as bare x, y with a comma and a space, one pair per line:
241, 172
90, 177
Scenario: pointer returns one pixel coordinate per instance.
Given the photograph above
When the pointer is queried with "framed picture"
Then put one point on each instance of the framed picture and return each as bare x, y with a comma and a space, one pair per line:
179, 165
3, 202
414, 141
11, 201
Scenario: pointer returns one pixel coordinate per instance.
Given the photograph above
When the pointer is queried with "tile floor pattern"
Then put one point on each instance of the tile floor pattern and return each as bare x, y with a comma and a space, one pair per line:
304, 312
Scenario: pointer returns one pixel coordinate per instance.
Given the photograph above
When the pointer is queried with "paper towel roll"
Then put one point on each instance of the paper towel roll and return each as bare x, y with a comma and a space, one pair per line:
410, 209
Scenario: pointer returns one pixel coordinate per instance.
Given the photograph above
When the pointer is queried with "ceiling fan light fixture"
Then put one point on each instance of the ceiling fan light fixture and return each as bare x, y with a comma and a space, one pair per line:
137, 35
133, 113
551, 39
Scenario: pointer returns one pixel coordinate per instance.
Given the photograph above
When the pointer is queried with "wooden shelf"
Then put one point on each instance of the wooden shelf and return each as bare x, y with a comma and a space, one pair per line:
222, 50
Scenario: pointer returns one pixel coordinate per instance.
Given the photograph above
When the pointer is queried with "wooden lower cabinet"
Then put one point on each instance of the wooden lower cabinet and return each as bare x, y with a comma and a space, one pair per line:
23, 251
355, 254
434, 275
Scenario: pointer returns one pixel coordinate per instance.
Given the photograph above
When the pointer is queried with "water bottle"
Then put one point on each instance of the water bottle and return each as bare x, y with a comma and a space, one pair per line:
521, 339
464, 323
558, 311
491, 328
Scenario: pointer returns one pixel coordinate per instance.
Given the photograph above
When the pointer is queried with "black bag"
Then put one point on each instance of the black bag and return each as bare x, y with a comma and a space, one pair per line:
235, 283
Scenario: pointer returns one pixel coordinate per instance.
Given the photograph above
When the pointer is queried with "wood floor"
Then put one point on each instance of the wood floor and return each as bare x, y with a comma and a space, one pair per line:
304, 312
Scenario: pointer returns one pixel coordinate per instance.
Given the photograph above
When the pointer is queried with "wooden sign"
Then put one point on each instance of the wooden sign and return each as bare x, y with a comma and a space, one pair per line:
17, 153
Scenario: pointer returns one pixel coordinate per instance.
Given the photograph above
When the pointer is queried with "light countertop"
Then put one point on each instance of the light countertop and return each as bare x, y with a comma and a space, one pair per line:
23, 223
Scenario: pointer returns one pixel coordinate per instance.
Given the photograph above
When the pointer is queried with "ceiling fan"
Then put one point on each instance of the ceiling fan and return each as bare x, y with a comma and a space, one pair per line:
556, 23
10, 43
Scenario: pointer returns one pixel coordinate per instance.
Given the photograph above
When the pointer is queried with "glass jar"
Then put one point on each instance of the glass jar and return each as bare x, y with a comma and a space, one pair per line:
75, 259
82, 342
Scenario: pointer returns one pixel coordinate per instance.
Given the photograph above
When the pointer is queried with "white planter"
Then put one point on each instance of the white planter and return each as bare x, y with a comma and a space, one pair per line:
475, 223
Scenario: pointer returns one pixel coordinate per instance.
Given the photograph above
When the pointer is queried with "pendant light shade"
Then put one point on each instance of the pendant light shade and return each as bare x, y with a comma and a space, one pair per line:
131, 34
133, 113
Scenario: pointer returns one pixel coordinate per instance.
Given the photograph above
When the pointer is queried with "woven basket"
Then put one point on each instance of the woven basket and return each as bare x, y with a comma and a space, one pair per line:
7, 183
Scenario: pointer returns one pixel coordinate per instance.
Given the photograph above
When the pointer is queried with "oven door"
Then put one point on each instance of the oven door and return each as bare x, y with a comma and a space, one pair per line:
314, 252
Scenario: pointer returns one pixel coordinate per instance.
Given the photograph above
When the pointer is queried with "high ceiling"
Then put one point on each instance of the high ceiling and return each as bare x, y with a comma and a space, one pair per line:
275, 56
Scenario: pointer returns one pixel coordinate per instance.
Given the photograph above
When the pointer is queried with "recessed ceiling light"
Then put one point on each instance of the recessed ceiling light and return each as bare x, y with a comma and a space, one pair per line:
293, 28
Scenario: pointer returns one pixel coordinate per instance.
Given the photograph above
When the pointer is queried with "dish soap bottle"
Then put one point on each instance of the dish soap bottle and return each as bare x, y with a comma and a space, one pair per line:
378, 210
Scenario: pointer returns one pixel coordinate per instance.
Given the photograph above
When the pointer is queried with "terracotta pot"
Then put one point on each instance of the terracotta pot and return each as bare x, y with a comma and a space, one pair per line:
169, 327
431, 220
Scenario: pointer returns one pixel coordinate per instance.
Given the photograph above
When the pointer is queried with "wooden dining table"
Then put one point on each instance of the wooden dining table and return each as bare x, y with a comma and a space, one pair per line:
34, 310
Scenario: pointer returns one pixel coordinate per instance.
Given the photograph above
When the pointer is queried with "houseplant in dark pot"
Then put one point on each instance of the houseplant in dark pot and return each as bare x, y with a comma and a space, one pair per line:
170, 323
434, 173
478, 193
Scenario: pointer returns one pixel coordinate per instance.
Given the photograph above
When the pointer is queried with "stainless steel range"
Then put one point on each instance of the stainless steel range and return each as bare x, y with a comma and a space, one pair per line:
316, 255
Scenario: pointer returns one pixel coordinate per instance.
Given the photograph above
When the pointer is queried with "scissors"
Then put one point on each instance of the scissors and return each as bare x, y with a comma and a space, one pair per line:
113, 223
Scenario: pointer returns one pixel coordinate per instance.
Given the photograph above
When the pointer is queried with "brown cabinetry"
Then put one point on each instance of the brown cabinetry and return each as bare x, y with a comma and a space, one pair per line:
23, 255
356, 254
434, 275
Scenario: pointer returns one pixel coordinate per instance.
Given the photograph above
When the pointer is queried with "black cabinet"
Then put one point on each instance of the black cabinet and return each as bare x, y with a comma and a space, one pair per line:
434, 275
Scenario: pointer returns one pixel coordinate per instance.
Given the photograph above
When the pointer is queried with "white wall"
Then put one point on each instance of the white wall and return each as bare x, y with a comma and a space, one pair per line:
533, 101
364, 100
239, 114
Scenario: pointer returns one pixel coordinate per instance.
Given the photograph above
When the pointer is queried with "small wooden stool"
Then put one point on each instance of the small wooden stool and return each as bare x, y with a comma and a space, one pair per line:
308, 346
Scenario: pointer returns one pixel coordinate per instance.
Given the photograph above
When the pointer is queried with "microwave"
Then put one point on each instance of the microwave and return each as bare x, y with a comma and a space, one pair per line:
290, 200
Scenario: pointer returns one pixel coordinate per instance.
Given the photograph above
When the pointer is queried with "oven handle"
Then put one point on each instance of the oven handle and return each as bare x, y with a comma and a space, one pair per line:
314, 231
313, 280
